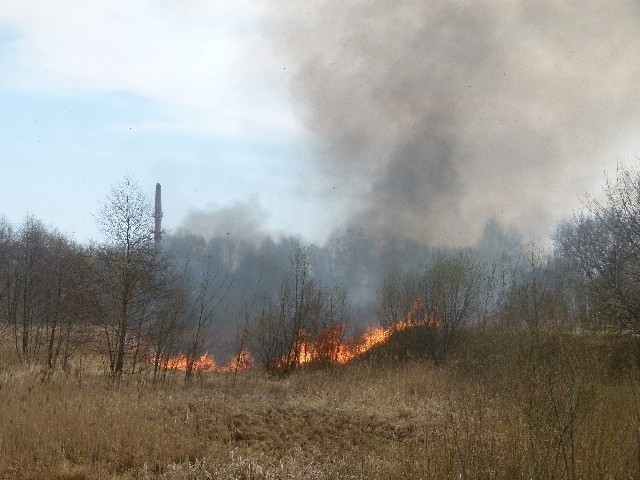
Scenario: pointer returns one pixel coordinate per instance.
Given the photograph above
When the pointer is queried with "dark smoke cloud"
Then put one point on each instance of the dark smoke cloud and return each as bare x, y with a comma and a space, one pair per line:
448, 113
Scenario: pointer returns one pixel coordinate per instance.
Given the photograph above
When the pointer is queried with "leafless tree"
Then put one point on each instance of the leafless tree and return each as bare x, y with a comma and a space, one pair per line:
128, 265
208, 286
7, 271
166, 332
396, 296
601, 250
27, 294
538, 295
619, 213
451, 293
68, 299
303, 315
590, 256
449, 289
44, 291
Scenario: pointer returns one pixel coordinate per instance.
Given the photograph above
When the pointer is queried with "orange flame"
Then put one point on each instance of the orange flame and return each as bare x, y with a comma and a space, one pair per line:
206, 363
325, 347
240, 363
328, 344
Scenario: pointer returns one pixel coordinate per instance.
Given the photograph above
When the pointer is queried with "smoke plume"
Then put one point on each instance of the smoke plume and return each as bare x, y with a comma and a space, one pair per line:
443, 114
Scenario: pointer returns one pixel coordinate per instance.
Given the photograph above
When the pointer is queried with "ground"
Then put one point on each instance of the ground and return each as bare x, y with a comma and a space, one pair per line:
534, 409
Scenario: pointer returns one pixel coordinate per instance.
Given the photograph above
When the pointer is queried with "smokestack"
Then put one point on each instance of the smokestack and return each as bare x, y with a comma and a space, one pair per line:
157, 231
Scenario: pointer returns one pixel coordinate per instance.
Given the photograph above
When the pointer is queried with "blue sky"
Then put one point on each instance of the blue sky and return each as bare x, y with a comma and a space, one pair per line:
176, 94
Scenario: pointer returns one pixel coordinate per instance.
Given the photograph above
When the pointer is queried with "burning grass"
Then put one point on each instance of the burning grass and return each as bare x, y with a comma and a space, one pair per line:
505, 406
326, 347
242, 362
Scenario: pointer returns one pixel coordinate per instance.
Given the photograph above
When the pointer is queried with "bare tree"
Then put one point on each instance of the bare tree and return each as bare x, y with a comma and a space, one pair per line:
68, 304
43, 288
601, 250
207, 289
451, 293
448, 290
167, 331
395, 298
7, 271
591, 259
28, 293
128, 265
304, 323
619, 213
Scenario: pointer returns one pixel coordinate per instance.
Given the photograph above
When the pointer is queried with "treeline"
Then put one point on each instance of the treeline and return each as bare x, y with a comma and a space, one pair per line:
47, 292
137, 303
588, 278
600, 252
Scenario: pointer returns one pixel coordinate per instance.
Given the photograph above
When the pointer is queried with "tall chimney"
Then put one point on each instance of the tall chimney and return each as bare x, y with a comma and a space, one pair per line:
157, 231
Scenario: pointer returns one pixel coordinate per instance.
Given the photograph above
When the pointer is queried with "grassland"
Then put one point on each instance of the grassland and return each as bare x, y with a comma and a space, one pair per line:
507, 404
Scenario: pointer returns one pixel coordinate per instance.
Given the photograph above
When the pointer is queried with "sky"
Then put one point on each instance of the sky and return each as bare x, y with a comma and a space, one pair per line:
167, 92
410, 118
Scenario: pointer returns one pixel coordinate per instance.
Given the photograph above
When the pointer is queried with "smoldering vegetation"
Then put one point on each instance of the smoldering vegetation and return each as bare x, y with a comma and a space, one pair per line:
429, 118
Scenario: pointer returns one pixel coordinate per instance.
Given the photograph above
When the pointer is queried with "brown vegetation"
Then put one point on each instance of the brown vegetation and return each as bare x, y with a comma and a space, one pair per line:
523, 367
507, 404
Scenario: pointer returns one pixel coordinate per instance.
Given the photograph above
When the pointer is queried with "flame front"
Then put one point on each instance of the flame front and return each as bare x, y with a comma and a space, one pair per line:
206, 363
240, 363
328, 345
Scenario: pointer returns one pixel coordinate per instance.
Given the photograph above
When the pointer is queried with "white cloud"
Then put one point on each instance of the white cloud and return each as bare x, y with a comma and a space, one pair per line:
197, 58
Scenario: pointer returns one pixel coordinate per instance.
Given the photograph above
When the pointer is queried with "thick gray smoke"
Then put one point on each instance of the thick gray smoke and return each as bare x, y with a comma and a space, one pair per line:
437, 123
434, 115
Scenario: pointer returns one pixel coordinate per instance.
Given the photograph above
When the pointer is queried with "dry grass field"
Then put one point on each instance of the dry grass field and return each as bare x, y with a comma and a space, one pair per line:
505, 405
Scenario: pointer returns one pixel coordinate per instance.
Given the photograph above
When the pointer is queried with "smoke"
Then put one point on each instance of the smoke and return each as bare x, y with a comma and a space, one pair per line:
442, 114
439, 123
239, 220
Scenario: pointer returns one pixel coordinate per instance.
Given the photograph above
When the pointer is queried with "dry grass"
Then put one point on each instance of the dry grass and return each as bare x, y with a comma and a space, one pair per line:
506, 407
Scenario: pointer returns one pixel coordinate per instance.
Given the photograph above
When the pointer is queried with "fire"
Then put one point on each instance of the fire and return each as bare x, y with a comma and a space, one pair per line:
325, 347
240, 363
372, 337
328, 345
206, 363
